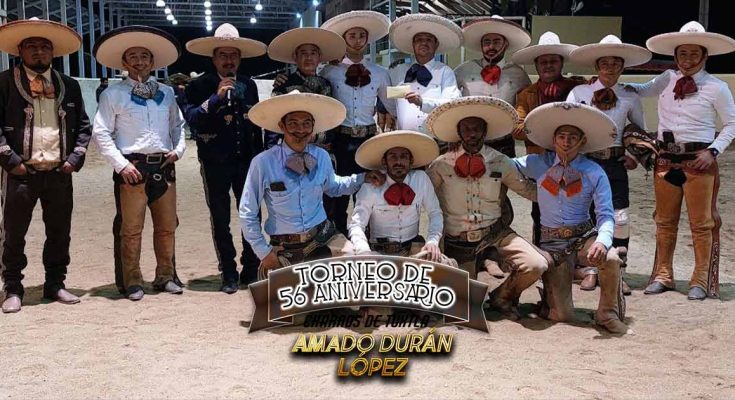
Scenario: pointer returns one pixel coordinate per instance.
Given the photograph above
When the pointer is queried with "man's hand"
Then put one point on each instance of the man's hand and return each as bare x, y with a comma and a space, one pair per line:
279, 80
704, 160
67, 168
597, 254
414, 98
131, 175
224, 85
519, 133
629, 162
171, 157
270, 262
20, 169
376, 178
434, 253
386, 122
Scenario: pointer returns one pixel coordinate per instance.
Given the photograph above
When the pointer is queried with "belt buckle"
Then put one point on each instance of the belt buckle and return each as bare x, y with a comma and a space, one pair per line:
566, 233
359, 131
153, 158
474, 236
674, 148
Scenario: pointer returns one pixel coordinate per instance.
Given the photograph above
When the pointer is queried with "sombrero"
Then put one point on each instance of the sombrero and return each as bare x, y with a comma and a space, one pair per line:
691, 33
610, 46
473, 32
331, 45
405, 28
109, 48
64, 39
598, 128
328, 113
548, 43
500, 116
423, 148
226, 35
375, 23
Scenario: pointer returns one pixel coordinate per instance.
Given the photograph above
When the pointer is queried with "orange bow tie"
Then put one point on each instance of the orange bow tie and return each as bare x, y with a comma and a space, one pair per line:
41, 87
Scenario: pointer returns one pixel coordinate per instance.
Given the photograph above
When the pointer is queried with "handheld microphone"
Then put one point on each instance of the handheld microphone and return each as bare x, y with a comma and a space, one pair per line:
229, 91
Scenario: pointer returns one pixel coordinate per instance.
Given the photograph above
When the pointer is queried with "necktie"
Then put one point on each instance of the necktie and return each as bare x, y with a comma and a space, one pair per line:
490, 74
357, 75
301, 163
418, 73
470, 165
559, 177
41, 87
604, 99
684, 87
399, 194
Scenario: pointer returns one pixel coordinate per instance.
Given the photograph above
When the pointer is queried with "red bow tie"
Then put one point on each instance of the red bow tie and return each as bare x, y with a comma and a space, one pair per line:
684, 87
490, 74
470, 165
399, 194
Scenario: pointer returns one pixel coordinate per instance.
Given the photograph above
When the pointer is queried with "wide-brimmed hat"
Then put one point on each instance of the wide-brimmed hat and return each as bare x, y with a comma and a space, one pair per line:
500, 117
610, 46
473, 32
405, 28
598, 128
548, 43
331, 45
64, 39
423, 148
375, 23
226, 35
110, 47
691, 33
328, 113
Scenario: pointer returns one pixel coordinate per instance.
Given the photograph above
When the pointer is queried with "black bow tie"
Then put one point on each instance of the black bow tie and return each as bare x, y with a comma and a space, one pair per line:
418, 73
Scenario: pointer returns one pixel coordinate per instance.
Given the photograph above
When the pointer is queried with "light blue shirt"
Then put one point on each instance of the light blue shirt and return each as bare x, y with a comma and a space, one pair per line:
294, 202
558, 211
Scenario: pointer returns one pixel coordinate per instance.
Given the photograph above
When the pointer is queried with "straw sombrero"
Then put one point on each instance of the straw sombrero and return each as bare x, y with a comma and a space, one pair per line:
328, 113
331, 45
598, 128
405, 28
610, 46
691, 33
375, 23
226, 35
548, 43
473, 32
500, 116
423, 148
109, 48
64, 39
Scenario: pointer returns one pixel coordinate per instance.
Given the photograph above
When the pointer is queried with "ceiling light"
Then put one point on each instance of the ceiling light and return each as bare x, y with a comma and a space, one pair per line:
298, 15
209, 27
259, 7
207, 12
175, 22
253, 20
170, 17
160, 3
208, 18
167, 10
315, 3
207, 4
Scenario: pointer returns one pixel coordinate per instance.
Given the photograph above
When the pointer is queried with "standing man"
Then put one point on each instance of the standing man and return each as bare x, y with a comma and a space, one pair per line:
358, 84
609, 58
430, 82
217, 109
44, 133
690, 103
471, 184
139, 131
491, 75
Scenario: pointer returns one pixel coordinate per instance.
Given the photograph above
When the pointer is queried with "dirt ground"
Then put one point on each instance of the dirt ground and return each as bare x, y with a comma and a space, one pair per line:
196, 345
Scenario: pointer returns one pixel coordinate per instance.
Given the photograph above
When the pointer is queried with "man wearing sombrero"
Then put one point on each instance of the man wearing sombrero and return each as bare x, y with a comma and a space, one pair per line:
291, 178
430, 82
358, 84
227, 141
610, 57
689, 104
491, 75
393, 210
139, 131
568, 184
471, 184
44, 133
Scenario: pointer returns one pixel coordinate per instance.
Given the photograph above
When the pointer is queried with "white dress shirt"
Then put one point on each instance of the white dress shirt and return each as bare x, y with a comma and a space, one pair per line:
693, 119
124, 127
46, 145
628, 107
441, 89
395, 223
359, 101
512, 80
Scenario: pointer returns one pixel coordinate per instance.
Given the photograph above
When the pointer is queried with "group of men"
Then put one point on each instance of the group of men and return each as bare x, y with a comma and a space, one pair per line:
315, 142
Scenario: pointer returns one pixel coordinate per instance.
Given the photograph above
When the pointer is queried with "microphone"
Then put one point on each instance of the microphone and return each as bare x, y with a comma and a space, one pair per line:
229, 91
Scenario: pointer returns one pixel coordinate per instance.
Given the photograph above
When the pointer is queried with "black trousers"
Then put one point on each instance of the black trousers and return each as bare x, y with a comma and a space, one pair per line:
618, 177
19, 197
219, 178
344, 149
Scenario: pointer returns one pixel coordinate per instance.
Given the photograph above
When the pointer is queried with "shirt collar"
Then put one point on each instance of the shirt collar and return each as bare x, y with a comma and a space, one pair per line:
32, 74
597, 85
347, 61
697, 77
430, 64
130, 81
287, 150
484, 63
574, 162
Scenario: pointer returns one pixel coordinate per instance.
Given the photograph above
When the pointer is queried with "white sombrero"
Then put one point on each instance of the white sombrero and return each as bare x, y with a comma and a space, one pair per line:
691, 33
473, 32
64, 39
331, 45
500, 116
328, 113
405, 28
375, 23
110, 47
548, 43
598, 128
423, 148
610, 46
226, 35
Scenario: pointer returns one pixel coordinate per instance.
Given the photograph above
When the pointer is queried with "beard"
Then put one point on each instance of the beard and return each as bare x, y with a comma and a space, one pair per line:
494, 59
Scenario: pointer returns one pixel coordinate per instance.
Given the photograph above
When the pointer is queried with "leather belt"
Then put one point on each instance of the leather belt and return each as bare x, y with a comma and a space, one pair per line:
154, 158
681, 148
386, 247
477, 235
42, 166
608, 153
359, 131
566, 232
297, 238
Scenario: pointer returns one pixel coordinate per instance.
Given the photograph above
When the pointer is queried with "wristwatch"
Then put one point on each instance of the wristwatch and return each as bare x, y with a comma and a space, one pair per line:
714, 152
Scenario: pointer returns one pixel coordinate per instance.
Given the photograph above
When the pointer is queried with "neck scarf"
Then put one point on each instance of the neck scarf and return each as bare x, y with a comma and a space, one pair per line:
40, 86
399, 194
549, 92
491, 74
418, 73
604, 99
684, 87
470, 165
146, 91
301, 163
357, 76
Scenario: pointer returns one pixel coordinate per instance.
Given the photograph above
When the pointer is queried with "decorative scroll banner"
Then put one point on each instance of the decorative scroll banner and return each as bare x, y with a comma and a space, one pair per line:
369, 280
